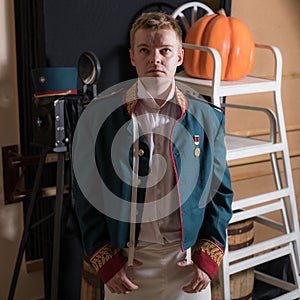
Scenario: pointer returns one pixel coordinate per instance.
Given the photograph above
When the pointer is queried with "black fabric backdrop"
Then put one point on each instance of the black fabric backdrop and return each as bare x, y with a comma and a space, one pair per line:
99, 26
72, 27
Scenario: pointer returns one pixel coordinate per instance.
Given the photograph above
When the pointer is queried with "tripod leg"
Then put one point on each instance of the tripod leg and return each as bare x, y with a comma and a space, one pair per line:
27, 224
57, 224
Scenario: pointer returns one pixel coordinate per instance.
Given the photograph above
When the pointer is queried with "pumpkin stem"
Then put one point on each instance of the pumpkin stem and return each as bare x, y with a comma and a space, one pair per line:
222, 12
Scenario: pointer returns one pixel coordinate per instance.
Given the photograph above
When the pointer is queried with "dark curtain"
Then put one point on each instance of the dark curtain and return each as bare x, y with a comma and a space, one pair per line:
30, 46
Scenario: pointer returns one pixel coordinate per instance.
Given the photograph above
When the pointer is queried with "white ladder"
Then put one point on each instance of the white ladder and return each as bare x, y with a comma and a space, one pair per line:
281, 199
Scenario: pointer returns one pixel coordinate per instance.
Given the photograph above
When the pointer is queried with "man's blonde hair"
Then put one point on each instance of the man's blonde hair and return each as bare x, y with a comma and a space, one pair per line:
155, 21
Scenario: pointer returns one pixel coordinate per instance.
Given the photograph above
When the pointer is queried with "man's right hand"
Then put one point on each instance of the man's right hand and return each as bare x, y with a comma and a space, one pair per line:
120, 283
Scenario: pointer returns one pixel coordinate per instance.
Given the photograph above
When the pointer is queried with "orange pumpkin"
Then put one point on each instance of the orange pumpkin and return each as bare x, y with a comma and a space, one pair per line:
233, 40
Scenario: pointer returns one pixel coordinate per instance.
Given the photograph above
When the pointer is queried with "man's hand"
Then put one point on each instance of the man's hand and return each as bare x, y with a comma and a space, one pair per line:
200, 280
120, 283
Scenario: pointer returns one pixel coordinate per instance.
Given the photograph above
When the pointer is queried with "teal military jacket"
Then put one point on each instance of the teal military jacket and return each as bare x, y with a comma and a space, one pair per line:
103, 157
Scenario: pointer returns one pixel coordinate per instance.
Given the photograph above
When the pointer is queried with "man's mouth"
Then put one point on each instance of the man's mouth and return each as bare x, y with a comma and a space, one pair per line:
156, 71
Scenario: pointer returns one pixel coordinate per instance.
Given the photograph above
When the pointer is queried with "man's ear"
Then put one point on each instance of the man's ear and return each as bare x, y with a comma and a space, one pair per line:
132, 57
180, 57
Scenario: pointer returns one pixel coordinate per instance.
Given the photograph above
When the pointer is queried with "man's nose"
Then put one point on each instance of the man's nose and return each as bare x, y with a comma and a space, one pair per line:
155, 57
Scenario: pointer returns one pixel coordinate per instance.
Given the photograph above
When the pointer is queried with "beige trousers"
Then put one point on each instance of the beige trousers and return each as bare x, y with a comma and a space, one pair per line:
159, 278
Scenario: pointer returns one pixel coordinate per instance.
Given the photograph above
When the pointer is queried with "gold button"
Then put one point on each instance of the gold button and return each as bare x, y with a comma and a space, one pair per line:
129, 244
141, 152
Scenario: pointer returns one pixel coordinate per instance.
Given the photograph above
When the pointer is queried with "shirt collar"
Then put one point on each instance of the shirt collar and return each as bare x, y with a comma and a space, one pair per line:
131, 97
144, 94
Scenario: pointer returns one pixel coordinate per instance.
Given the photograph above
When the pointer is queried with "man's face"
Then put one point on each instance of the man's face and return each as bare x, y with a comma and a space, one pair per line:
156, 53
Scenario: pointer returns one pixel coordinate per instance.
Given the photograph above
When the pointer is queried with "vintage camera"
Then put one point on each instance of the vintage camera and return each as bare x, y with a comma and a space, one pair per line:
52, 86
55, 90
49, 128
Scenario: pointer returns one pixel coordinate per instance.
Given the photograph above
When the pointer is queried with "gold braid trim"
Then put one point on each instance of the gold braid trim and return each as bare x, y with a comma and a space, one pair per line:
181, 99
213, 250
102, 256
131, 98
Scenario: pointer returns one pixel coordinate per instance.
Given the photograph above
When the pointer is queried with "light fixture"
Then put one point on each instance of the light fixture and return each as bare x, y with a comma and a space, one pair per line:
89, 70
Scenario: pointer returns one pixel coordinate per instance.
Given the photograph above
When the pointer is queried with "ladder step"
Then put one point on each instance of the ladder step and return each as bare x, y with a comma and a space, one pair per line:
256, 211
252, 150
268, 245
288, 286
269, 222
257, 260
260, 199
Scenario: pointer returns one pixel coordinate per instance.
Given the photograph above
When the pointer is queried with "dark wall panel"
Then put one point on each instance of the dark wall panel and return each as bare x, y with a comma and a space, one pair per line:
72, 27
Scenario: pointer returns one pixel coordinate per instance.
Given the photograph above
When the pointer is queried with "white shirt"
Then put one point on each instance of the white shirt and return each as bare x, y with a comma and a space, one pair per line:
160, 221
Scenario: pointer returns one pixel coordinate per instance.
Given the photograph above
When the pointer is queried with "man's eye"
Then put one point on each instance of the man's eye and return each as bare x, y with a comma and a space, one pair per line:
143, 50
166, 50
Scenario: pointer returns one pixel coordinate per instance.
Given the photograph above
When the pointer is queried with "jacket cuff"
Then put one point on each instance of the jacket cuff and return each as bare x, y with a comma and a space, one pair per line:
207, 255
107, 261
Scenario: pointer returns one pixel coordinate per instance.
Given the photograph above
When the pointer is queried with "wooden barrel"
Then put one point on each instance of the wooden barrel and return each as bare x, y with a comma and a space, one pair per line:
240, 235
90, 282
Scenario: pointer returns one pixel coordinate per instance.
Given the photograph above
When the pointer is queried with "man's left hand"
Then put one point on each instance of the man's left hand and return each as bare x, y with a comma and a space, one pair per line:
200, 280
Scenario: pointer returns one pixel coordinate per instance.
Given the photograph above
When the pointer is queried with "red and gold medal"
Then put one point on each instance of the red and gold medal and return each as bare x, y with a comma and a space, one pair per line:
196, 143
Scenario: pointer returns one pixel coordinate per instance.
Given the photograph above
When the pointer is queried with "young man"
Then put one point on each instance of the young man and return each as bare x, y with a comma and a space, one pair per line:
162, 153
